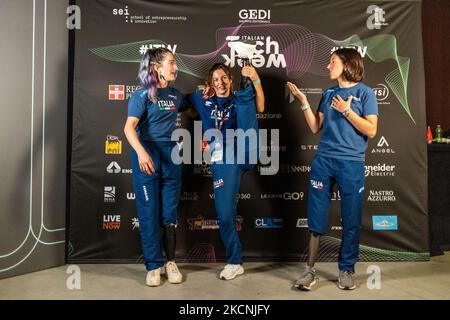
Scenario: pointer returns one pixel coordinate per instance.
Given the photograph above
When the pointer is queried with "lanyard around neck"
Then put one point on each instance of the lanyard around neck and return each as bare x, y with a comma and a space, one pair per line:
219, 123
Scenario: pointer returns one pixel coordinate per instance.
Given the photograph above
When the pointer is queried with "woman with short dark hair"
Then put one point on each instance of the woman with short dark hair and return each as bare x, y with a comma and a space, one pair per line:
348, 115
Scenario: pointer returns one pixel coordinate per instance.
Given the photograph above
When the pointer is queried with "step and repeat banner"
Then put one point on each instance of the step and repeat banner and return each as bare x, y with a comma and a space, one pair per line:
294, 42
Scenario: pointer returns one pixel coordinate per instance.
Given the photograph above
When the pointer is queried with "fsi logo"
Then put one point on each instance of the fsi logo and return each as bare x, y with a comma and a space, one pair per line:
268, 223
116, 92
384, 222
376, 18
381, 92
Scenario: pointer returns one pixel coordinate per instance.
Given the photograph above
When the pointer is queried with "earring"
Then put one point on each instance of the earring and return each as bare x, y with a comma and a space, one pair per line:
161, 77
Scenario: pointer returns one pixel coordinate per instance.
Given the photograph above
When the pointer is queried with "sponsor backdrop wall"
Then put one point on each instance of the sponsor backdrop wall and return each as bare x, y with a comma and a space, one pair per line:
33, 126
294, 40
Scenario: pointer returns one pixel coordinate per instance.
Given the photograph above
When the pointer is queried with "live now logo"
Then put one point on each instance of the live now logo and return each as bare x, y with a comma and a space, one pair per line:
111, 222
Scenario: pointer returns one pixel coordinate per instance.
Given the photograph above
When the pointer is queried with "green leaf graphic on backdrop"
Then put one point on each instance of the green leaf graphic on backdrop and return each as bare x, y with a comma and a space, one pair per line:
384, 47
132, 52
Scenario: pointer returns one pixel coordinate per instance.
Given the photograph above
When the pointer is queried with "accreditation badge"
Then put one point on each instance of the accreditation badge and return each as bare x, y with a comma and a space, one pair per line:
217, 154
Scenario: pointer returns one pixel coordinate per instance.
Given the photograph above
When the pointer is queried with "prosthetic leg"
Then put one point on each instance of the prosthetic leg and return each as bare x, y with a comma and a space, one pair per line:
308, 277
314, 243
169, 241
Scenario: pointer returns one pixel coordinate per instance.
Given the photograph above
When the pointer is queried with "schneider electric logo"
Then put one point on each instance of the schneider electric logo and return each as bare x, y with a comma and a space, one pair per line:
380, 170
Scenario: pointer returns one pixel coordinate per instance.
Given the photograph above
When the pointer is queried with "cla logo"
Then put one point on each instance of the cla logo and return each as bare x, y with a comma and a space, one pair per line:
376, 18
254, 14
268, 223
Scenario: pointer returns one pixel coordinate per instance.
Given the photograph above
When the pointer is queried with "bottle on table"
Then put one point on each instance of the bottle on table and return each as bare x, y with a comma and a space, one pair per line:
429, 135
438, 134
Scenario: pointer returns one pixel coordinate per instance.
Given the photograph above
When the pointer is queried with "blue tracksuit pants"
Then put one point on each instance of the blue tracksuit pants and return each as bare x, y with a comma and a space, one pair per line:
349, 177
226, 181
157, 198
227, 177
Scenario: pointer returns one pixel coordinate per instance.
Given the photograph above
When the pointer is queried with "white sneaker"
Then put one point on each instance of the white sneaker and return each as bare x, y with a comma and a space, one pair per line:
231, 271
173, 274
153, 278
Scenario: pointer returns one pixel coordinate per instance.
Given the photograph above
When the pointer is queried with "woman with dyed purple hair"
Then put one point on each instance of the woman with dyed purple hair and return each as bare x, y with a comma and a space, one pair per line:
152, 113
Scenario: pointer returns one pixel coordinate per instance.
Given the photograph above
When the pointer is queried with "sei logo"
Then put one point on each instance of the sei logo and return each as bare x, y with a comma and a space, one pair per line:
121, 12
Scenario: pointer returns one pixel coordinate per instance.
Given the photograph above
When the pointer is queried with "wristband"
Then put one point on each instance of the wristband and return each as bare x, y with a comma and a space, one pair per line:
256, 82
346, 112
305, 107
